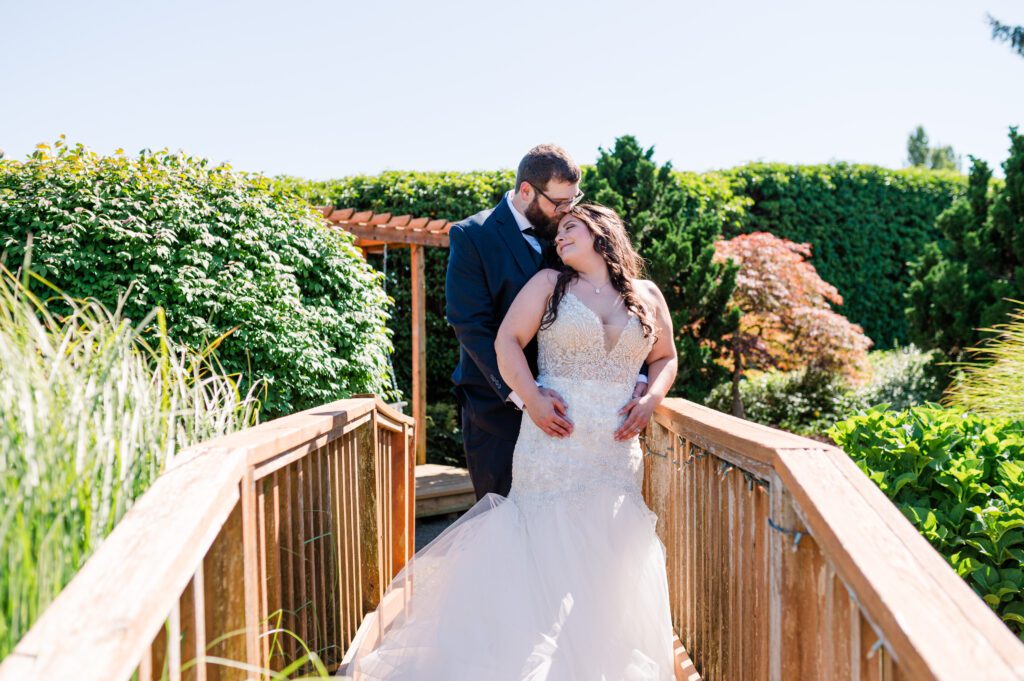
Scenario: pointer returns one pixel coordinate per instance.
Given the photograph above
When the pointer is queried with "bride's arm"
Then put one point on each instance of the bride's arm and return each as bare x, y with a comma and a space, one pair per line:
517, 329
662, 364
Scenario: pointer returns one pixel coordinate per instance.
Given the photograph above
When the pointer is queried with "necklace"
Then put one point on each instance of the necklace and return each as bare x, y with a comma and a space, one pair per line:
597, 289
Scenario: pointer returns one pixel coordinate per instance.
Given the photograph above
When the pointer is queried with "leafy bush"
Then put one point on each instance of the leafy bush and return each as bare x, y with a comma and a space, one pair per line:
805, 401
444, 435
902, 377
447, 195
92, 407
959, 478
219, 250
992, 384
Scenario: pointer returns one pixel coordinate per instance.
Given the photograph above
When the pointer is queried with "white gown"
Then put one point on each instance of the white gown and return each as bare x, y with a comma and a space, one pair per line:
564, 579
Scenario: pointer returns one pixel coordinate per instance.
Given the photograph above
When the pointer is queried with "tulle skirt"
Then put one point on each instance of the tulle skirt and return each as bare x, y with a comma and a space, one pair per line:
575, 590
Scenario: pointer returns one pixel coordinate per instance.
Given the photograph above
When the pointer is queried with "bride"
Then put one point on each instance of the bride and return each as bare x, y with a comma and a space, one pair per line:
565, 578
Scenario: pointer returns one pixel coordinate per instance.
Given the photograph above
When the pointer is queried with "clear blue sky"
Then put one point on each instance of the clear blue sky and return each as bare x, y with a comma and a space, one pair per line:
324, 89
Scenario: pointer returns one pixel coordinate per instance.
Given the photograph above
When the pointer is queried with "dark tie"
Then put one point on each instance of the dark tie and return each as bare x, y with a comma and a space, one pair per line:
533, 252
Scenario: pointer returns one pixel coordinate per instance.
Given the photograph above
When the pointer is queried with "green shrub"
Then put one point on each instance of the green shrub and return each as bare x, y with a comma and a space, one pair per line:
444, 435
805, 401
219, 250
959, 478
902, 377
993, 383
92, 407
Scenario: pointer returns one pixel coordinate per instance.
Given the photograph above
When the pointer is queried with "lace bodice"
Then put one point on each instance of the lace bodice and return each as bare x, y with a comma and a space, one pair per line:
595, 383
573, 346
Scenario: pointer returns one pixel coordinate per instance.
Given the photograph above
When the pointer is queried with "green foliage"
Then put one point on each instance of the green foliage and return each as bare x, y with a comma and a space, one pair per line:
92, 407
219, 251
1007, 33
959, 478
452, 196
902, 377
919, 154
964, 282
864, 224
444, 435
805, 402
676, 235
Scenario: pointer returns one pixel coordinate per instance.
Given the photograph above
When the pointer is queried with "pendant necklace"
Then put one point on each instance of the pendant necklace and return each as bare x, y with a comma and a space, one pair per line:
597, 289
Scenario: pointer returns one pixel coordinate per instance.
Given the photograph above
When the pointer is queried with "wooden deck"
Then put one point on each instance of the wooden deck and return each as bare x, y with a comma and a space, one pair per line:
442, 489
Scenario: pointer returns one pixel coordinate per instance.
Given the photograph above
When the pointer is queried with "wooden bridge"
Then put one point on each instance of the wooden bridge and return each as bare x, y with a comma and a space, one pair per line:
784, 561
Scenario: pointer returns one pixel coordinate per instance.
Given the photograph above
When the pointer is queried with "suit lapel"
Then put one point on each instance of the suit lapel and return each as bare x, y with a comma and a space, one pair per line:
509, 231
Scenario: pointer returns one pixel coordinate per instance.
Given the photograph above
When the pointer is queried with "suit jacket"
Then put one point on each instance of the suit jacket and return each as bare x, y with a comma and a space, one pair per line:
489, 261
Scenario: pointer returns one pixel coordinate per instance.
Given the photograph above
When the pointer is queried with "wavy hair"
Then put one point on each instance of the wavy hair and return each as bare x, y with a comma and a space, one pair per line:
612, 243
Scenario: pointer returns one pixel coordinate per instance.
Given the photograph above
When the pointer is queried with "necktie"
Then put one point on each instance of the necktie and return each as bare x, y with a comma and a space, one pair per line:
533, 252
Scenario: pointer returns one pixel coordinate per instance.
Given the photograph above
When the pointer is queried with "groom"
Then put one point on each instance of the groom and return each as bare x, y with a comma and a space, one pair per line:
492, 255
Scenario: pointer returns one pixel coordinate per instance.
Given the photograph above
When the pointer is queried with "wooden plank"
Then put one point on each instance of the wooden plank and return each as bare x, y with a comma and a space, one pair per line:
225, 598
930, 624
199, 621
128, 600
250, 569
419, 350
370, 534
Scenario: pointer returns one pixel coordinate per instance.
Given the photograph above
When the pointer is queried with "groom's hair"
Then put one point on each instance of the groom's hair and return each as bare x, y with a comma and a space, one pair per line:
546, 162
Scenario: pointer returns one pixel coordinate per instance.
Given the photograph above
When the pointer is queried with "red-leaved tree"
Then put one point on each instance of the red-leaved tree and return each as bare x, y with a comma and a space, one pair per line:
788, 321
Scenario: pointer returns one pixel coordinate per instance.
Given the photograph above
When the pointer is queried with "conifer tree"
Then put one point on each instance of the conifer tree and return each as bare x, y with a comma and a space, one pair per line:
965, 285
677, 239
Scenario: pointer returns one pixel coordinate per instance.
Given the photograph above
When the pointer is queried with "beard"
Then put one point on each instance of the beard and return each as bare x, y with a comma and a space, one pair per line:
546, 226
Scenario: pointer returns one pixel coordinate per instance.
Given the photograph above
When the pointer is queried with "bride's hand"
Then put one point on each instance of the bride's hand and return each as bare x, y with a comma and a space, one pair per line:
550, 412
639, 411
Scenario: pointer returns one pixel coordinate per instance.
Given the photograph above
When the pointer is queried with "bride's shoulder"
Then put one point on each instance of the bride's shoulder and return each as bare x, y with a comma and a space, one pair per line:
648, 291
544, 280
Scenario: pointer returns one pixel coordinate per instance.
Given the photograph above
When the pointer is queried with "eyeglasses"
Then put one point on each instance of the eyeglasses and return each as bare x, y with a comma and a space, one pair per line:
563, 205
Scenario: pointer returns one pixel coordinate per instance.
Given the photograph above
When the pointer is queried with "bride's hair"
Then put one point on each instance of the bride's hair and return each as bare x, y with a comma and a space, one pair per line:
612, 243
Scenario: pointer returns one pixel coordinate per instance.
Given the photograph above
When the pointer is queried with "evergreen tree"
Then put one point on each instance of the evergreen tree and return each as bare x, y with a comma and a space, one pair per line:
963, 287
919, 154
1008, 34
677, 238
917, 147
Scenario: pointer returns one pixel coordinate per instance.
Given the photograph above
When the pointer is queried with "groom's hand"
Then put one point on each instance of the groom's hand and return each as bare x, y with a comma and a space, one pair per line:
639, 389
551, 413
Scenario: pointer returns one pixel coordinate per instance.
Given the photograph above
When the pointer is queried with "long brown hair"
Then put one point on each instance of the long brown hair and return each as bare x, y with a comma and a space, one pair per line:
612, 243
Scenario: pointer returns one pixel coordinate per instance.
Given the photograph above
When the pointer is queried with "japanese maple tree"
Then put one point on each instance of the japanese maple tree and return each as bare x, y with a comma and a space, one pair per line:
788, 322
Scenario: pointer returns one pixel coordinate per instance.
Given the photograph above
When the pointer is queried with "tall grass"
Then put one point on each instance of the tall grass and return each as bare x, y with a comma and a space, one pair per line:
993, 383
92, 407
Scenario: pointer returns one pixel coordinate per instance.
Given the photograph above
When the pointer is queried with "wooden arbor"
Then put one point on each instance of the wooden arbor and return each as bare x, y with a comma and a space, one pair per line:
374, 231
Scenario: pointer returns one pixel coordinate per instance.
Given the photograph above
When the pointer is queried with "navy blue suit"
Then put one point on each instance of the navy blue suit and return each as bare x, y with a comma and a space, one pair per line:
489, 261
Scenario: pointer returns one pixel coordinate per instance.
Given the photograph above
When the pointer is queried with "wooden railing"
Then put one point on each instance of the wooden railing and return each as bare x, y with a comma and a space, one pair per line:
786, 563
295, 524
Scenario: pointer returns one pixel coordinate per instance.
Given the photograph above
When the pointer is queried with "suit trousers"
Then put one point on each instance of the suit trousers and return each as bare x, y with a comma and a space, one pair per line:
488, 458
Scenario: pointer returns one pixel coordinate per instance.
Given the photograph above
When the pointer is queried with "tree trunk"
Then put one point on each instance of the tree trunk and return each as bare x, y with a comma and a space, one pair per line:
737, 374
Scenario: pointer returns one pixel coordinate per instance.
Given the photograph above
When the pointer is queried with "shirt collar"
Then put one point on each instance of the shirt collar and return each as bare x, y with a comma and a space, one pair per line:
521, 220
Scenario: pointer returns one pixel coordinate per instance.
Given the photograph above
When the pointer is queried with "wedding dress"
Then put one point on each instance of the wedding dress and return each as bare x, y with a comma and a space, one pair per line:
563, 580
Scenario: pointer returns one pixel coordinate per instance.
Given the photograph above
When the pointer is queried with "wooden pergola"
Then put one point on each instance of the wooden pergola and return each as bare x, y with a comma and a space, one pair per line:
374, 232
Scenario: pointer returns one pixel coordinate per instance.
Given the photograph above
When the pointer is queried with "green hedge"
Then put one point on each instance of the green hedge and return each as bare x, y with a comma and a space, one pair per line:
959, 479
865, 223
219, 250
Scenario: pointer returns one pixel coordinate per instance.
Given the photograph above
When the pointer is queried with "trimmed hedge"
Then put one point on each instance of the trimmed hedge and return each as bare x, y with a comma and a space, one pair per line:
865, 224
959, 478
219, 250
